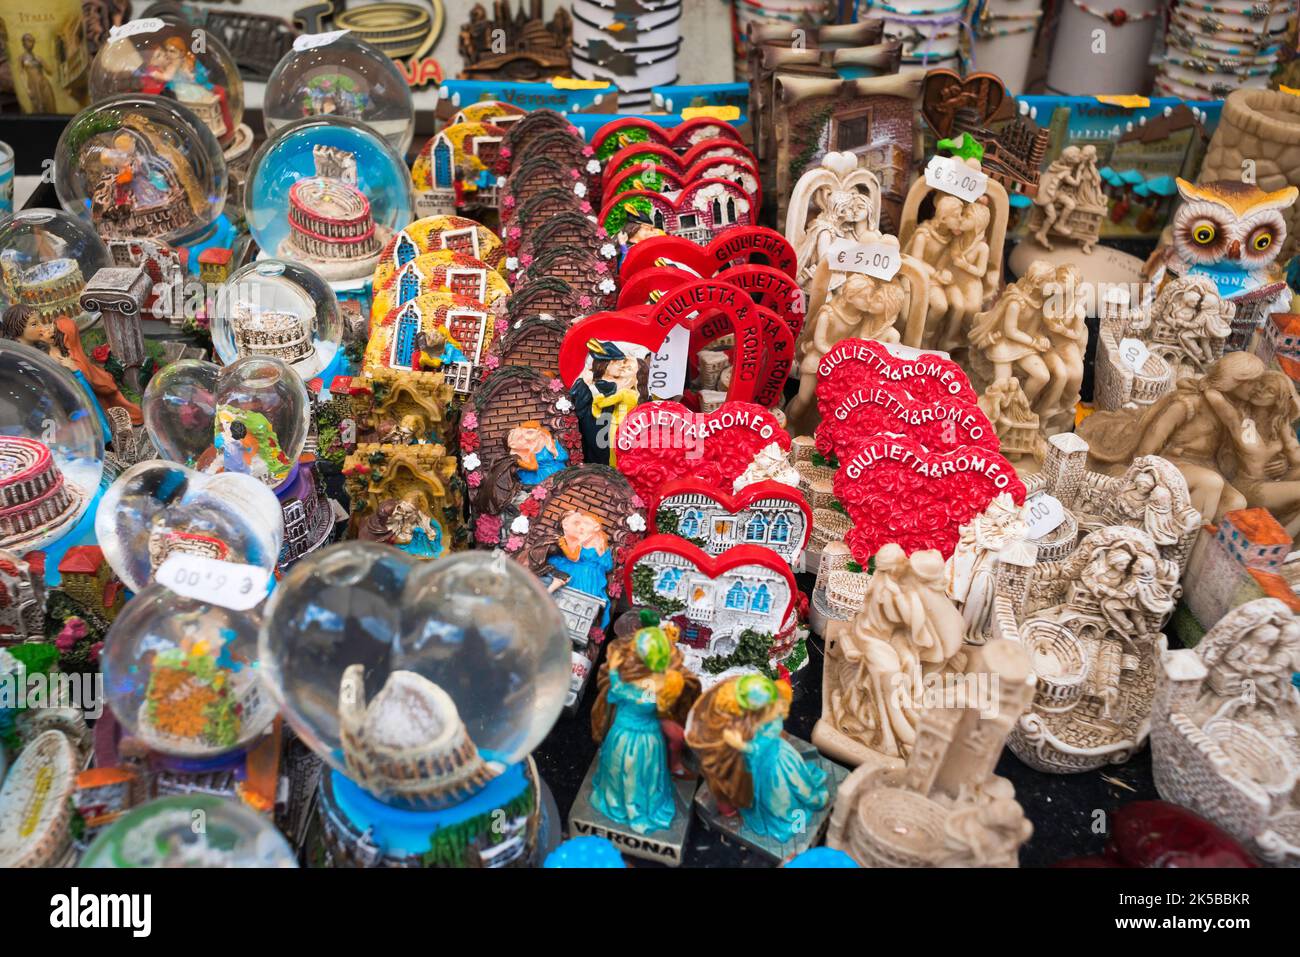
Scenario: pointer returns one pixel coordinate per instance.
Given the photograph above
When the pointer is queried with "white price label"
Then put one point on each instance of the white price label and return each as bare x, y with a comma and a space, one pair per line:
953, 176
1134, 353
135, 28
668, 365
310, 41
1043, 514
880, 260
228, 584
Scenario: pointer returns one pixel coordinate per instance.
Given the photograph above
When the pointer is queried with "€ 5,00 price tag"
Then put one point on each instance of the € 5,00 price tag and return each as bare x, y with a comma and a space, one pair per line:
1134, 352
1043, 514
880, 260
227, 584
955, 177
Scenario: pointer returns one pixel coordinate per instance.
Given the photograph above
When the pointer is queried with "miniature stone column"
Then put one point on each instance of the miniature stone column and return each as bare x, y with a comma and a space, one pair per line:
1015, 567
1067, 460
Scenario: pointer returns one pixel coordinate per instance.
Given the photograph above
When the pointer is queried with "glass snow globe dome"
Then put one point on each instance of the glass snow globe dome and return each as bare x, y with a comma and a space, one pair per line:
250, 417
177, 62
181, 675
278, 309
162, 833
336, 74
46, 258
141, 167
391, 668
51, 446
328, 193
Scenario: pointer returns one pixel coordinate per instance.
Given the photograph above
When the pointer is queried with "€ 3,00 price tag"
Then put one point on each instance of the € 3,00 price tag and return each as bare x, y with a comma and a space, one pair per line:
1043, 514
880, 260
955, 177
668, 365
227, 584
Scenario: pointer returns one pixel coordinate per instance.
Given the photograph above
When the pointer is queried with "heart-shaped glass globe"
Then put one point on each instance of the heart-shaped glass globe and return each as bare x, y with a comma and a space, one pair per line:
392, 668
157, 508
249, 417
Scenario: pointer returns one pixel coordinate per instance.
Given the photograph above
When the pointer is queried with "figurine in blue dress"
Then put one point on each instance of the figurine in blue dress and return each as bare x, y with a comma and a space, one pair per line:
585, 557
643, 689
538, 455
735, 732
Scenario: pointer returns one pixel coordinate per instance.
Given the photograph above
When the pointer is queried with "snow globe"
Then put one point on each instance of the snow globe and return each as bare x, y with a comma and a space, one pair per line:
248, 418
328, 193
424, 686
51, 448
181, 675
279, 309
46, 258
141, 167
174, 61
165, 833
336, 74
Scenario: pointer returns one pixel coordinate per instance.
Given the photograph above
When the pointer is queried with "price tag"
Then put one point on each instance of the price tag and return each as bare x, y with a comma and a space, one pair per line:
310, 41
228, 584
1134, 353
1043, 514
135, 28
880, 260
955, 177
668, 365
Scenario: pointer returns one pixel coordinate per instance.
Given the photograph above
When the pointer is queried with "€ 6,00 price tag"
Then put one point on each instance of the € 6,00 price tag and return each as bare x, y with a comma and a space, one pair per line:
1043, 514
310, 41
227, 584
955, 177
1134, 353
880, 260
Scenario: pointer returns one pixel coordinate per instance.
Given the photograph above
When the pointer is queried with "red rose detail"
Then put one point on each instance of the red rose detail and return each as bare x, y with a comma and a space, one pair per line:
469, 441
100, 353
530, 507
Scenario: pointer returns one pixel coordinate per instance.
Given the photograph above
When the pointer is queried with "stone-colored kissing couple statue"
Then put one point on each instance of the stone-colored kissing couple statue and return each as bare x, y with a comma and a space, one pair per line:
1228, 431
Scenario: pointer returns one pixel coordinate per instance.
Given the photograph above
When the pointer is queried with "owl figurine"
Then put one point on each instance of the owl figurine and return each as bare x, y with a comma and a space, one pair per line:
1231, 232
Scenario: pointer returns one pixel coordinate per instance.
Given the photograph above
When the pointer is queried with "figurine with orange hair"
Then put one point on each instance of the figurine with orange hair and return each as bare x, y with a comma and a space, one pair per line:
735, 731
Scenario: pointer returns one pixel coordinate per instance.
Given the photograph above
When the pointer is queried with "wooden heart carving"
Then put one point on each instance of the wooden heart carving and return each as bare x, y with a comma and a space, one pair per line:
721, 592
765, 513
895, 490
944, 92
662, 441
927, 376
851, 416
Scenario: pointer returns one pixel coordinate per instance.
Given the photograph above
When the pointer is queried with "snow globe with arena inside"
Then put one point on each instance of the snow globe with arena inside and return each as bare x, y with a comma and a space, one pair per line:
424, 685
46, 258
141, 167
281, 309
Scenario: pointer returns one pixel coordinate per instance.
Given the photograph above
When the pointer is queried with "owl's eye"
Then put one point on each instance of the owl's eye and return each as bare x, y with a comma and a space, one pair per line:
1203, 234
1261, 241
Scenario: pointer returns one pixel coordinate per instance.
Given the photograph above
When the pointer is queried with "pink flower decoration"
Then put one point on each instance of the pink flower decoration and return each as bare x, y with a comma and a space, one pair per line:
469, 420
475, 479
539, 493
492, 361
515, 232
504, 152
615, 589
602, 267
584, 302
556, 385
637, 501
573, 174
585, 207
588, 151
597, 634
514, 543
508, 202
526, 260
575, 130
488, 528
95, 649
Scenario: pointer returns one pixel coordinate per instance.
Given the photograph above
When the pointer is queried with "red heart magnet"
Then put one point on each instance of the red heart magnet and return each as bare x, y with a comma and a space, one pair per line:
850, 417
864, 362
894, 490
661, 441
